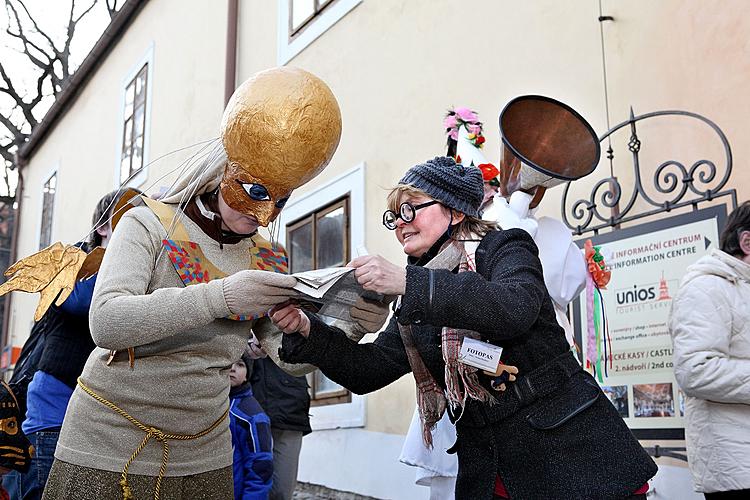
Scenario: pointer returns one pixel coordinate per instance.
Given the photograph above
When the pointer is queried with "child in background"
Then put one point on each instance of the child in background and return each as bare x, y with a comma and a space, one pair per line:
251, 436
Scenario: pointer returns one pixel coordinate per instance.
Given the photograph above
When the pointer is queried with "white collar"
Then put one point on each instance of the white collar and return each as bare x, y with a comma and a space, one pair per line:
208, 214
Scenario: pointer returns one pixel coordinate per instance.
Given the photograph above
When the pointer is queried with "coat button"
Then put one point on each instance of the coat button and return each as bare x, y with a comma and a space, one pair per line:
416, 317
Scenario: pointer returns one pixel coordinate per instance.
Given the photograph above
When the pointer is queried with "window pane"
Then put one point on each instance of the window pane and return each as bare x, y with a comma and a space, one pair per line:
128, 137
300, 248
137, 156
125, 168
330, 239
140, 120
323, 384
301, 10
48, 204
129, 97
140, 86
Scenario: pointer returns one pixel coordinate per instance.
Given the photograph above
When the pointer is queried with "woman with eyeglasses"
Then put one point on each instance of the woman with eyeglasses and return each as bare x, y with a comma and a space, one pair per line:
469, 289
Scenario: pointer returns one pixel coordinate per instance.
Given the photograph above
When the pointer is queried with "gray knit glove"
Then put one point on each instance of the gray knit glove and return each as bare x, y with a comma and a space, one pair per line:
251, 293
369, 316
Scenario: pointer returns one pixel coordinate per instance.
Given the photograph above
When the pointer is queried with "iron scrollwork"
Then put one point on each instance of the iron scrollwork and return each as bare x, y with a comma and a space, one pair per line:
678, 185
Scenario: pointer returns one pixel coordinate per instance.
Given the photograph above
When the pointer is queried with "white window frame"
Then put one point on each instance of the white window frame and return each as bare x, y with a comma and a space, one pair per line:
288, 49
351, 182
142, 176
54, 171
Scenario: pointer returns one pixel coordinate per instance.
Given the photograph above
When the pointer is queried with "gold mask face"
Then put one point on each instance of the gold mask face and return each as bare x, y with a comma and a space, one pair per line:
248, 194
280, 129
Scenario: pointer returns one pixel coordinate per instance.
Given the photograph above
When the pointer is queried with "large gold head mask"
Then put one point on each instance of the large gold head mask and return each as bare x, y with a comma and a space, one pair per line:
280, 129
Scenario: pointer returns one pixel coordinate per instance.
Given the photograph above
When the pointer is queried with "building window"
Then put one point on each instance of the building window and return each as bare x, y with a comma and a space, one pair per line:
300, 22
133, 134
316, 241
302, 12
48, 208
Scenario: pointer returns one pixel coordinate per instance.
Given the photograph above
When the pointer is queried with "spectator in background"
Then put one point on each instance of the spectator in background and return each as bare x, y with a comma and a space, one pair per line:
710, 328
286, 401
251, 436
66, 345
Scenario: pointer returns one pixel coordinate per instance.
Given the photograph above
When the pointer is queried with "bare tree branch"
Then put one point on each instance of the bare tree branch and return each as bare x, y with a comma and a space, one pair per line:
75, 21
112, 8
9, 89
39, 88
25, 41
49, 65
64, 56
7, 155
7, 123
35, 25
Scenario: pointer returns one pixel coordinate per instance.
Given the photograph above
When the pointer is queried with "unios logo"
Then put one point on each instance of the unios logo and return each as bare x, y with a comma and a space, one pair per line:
636, 295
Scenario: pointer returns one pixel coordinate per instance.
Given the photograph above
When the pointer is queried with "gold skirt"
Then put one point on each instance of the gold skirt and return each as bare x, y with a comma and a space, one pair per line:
73, 482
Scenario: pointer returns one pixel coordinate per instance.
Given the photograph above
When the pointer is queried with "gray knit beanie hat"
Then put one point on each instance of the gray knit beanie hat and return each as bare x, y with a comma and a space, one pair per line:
456, 186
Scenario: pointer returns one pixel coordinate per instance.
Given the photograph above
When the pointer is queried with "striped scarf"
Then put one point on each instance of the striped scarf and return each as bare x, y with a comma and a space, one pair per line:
461, 380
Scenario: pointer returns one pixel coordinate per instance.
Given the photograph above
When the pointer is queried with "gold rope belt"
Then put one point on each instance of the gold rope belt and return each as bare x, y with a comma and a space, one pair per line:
151, 432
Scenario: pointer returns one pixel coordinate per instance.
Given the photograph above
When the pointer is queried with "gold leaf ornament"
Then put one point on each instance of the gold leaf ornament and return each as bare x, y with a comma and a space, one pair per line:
52, 272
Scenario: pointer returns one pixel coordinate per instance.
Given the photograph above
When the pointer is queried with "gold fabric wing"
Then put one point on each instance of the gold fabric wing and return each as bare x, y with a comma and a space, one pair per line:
50, 272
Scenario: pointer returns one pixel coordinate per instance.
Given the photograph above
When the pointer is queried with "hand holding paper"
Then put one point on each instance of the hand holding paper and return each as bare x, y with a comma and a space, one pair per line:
254, 349
291, 319
379, 275
253, 292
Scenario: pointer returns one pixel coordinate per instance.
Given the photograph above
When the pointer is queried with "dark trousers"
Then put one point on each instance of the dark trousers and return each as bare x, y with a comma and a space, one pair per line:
728, 495
32, 482
29, 486
286, 448
11, 483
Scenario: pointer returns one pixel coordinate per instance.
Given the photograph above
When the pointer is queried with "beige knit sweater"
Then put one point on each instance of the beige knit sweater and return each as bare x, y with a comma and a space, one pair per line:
183, 349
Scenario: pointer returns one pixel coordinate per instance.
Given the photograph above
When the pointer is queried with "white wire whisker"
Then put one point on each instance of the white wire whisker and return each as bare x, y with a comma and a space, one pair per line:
101, 222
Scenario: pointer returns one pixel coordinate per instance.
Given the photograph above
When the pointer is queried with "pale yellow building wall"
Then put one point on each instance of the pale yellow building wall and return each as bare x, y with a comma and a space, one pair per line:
187, 91
396, 66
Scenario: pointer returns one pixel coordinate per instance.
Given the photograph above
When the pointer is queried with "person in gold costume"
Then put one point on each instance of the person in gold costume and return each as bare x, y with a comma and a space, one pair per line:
183, 285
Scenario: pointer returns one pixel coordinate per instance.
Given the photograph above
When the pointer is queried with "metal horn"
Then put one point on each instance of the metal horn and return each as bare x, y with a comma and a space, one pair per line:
545, 143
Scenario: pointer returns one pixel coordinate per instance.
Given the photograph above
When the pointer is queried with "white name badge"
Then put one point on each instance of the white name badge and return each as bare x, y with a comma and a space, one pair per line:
480, 354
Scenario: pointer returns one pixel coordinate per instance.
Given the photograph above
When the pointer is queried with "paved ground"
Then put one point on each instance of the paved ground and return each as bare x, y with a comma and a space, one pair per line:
306, 491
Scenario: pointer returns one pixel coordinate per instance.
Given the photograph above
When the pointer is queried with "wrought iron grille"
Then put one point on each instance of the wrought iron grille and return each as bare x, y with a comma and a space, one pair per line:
675, 184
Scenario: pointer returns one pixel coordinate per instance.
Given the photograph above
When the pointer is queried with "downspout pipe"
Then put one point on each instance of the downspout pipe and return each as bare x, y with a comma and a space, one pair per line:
230, 72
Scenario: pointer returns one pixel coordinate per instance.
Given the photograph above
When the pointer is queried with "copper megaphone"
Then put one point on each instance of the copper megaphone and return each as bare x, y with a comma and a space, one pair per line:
545, 143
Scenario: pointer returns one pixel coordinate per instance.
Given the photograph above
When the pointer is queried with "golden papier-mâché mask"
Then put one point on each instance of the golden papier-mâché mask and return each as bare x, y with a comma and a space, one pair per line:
280, 129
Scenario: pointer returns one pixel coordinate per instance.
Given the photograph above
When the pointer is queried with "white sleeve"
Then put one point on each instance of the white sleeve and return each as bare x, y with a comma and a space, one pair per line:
700, 324
562, 261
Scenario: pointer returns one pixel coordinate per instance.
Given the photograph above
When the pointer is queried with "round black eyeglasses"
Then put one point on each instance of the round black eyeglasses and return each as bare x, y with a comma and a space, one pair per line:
406, 212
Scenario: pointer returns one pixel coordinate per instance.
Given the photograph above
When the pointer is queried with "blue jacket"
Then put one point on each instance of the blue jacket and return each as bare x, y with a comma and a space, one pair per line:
252, 445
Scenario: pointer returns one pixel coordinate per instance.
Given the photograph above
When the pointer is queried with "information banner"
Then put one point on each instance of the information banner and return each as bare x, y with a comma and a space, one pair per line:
647, 264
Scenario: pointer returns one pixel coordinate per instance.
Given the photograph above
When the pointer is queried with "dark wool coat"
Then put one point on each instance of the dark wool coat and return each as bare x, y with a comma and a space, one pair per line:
283, 397
553, 433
